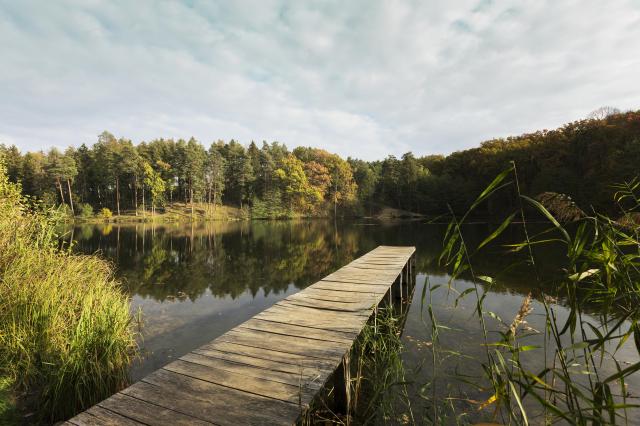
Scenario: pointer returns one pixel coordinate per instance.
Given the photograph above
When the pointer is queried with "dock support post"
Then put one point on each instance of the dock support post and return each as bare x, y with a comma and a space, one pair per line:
342, 386
375, 320
400, 293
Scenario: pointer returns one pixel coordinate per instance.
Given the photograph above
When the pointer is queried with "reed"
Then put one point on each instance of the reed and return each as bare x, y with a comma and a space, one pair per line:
602, 268
66, 336
376, 381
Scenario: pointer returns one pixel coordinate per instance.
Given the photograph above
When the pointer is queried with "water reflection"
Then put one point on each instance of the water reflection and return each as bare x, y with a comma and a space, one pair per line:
456, 371
194, 282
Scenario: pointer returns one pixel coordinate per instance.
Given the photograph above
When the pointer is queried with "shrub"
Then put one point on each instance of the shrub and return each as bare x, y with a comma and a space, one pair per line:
84, 210
106, 213
65, 324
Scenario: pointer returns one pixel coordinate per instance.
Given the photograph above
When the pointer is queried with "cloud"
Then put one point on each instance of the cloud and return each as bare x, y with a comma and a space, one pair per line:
360, 78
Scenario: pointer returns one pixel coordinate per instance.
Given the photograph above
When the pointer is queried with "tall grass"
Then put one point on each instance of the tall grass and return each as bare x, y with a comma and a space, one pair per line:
66, 339
603, 269
376, 380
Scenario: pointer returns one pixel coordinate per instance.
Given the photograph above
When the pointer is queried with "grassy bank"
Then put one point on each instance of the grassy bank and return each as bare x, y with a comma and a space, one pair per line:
201, 212
65, 328
175, 212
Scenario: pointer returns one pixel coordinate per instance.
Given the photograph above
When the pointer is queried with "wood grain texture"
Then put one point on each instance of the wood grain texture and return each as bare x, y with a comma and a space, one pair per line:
268, 369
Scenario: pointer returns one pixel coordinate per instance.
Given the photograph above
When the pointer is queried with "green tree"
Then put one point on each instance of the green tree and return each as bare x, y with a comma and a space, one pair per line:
153, 180
34, 174
239, 173
194, 169
107, 159
298, 193
12, 160
215, 175
61, 168
366, 177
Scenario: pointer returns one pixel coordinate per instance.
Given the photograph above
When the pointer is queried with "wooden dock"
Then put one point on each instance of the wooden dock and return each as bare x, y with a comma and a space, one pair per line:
270, 368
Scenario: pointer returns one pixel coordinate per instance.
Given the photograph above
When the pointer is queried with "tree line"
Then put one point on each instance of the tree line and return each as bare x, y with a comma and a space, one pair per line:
119, 175
582, 159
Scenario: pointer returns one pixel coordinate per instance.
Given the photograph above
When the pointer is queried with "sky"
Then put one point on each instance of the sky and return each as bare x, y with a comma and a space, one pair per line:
364, 79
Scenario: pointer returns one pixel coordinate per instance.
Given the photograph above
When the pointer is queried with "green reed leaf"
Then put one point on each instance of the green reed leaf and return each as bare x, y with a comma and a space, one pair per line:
497, 232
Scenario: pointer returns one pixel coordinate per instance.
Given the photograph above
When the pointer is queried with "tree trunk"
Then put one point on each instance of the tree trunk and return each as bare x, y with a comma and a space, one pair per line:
335, 200
73, 213
191, 200
118, 196
135, 193
144, 209
60, 188
209, 199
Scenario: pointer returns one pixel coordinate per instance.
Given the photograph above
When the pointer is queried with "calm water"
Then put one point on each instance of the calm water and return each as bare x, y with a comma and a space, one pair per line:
193, 282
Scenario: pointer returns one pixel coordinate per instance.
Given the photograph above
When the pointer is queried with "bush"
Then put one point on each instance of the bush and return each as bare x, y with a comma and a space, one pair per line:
106, 213
65, 324
84, 210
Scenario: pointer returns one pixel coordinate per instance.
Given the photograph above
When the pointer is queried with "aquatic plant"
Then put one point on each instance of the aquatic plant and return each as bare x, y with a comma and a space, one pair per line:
66, 339
602, 268
373, 390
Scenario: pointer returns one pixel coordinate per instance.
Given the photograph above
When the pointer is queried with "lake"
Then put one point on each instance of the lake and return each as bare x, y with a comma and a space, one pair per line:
193, 282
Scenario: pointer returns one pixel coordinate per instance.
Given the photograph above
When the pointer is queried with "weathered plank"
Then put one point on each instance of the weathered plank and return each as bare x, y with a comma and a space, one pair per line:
206, 400
269, 368
329, 306
299, 370
99, 416
146, 412
284, 358
299, 331
254, 385
297, 379
291, 344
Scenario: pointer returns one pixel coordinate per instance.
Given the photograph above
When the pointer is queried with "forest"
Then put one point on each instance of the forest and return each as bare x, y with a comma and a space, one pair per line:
582, 159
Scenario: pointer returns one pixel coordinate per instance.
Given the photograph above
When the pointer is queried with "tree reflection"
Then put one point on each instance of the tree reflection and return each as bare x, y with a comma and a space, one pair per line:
183, 261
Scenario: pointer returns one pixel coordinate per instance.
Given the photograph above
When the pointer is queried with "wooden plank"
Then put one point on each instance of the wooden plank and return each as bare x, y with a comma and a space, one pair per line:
344, 296
304, 307
205, 400
311, 313
267, 354
299, 331
380, 270
367, 301
291, 344
295, 379
369, 279
350, 287
325, 305
379, 264
147, 413
263, 363
254, 385
322, 320
95, 416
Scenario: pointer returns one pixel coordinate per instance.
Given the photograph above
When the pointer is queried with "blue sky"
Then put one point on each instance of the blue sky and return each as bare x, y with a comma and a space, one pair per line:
360, 78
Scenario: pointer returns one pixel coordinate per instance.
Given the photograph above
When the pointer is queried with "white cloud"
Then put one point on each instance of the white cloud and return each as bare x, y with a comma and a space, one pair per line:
359, 78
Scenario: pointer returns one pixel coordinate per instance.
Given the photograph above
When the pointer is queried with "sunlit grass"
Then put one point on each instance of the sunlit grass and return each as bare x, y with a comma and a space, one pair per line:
65, 326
